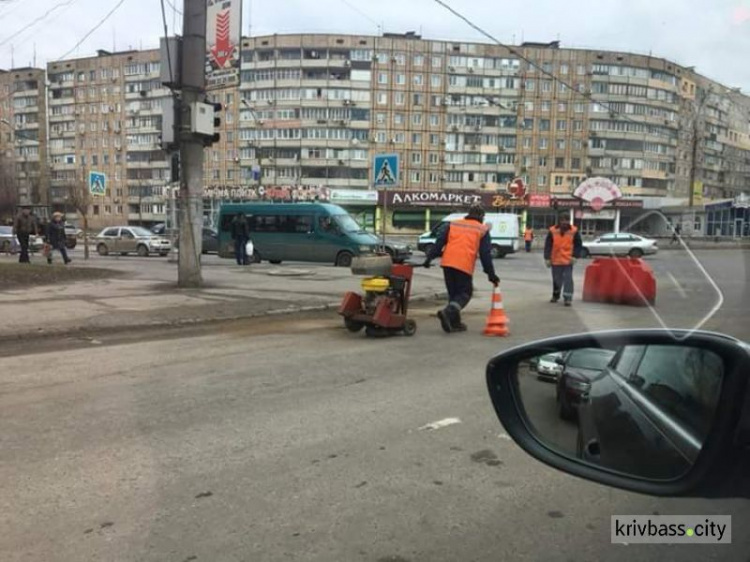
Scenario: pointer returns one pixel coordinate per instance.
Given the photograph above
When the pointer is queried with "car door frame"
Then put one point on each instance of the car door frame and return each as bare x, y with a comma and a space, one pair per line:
129, 245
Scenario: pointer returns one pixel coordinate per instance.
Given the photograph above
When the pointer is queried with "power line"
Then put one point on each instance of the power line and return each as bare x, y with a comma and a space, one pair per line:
361, 13
93, 29
57, 6
166, 42
174, 8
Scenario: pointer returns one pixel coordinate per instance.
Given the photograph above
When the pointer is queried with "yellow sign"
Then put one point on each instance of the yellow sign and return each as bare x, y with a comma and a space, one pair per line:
698, 193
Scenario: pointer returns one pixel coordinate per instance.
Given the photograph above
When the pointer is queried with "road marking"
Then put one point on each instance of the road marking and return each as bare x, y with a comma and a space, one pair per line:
441, 423
680, 290
505, 436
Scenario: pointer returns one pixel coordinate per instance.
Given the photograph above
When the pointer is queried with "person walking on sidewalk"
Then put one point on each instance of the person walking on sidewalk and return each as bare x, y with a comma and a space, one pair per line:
459, 242
24, 226
56, 238
528, 237
240, 230
561, 250
676, 231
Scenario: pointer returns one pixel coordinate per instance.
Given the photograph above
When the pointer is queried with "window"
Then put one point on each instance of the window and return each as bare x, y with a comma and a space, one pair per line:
546, 105
435, 80
398, 118
437, 62
563, 69
400, 98
416, 119
684, 382
530, 85
400, 138
544, 124
546, 85
418, 99
416, 157
578, 125
560, 144
415, 177
581, 70
562, 107
418, 79
580, 107
433, 158
400, 79
382, 98
542, 161
418, 60
380, 118
543, 143
400, 59
575, 163
559, 180
562, 125
434, 120
541, 180
527, 142
434, 139
416, 138
559, 163
382, 78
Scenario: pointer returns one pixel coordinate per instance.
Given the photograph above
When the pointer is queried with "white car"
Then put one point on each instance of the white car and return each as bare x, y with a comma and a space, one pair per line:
124, 240
620, 244
548, 368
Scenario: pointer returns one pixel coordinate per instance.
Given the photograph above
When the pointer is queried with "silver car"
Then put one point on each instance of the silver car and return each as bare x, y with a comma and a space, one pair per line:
9, 244
620, 244
125, 240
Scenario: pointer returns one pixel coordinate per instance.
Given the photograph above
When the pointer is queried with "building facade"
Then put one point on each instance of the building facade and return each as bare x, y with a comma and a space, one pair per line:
23, 138
106, 116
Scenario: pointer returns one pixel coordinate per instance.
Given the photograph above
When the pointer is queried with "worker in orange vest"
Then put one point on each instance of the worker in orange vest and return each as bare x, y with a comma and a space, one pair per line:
460, 242
528, 237
561, 250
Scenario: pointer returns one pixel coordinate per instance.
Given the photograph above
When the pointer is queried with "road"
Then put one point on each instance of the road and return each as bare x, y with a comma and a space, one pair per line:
293, 439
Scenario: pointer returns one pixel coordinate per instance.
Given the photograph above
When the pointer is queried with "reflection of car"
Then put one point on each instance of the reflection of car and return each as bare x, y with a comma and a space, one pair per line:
548, 368
9, 243
664, 397
620, 243
578, 368
128, 239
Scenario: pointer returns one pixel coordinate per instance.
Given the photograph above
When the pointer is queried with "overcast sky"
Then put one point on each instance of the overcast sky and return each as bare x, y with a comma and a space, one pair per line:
712, 35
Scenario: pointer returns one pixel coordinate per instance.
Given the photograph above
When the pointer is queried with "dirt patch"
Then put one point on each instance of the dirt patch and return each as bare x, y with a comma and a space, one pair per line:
20, 275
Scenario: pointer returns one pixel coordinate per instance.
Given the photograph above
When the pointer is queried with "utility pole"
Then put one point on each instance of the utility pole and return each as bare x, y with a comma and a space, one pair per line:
193, 86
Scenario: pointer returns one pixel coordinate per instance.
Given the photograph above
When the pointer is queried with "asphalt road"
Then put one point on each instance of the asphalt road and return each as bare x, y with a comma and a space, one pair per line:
295, 440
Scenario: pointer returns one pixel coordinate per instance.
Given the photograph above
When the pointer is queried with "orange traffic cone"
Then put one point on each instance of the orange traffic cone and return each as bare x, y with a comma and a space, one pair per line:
497, 321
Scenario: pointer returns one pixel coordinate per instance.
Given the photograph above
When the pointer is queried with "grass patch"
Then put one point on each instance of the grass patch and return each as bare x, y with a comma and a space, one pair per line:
20, 275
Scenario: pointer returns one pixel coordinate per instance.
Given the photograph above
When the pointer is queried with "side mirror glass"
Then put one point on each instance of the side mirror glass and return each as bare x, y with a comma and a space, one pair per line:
631, 409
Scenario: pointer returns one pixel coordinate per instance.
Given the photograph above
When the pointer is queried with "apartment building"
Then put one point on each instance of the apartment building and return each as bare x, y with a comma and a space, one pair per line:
105, 115
313, 109
23, 134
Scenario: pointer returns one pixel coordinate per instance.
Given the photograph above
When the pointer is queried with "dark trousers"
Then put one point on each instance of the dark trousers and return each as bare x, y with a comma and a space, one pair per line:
240, 250
528, 245
23, 240
562, 278
60, 247
460, 287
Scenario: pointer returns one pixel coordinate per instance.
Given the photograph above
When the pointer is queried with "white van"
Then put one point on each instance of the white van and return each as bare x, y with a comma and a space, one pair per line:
504, 233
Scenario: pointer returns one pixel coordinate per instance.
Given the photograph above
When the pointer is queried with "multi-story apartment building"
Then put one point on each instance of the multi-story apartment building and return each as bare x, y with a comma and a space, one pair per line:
314, 109
106, 116
23, 137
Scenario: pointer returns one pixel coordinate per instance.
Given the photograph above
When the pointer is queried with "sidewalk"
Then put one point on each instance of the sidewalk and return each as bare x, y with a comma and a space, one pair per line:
146, 295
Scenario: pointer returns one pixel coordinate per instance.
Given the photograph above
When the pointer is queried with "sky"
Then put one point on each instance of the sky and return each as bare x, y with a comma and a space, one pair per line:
712, 35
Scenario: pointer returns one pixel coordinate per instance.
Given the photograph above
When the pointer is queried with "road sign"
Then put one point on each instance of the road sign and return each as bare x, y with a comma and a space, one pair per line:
385, 170
97, 183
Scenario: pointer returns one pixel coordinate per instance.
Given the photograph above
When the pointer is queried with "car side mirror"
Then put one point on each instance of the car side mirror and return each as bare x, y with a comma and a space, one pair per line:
684, 432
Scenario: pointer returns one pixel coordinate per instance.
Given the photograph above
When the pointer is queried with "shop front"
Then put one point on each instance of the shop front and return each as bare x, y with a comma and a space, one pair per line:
729, 218
359, 203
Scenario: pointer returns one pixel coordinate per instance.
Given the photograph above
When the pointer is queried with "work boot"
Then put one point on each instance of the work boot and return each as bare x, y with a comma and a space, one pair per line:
554, 299
445, 321
67, 261
568, 303
49, 261
460, 327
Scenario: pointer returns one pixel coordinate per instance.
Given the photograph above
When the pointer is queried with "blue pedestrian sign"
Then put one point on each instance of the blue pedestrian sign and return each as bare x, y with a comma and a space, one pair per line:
385, 170
97, 183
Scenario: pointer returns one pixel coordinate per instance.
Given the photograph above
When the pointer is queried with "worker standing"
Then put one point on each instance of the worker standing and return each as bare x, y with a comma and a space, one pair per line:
561, 250
528, 237
460, 242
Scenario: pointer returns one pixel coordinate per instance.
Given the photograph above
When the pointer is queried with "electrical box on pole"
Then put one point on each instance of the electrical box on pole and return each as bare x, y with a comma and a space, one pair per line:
170, 55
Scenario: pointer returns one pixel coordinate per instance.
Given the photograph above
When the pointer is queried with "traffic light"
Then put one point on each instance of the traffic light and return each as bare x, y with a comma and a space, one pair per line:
217, 121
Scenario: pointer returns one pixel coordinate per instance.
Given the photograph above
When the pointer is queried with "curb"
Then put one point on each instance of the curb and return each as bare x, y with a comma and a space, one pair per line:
83, 331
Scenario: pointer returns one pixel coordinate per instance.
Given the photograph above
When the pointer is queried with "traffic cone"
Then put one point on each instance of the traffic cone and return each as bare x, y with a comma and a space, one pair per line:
497, 321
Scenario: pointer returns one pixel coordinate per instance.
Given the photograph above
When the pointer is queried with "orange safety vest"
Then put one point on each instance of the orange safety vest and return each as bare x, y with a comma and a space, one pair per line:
462, 246
562, 245
528, 236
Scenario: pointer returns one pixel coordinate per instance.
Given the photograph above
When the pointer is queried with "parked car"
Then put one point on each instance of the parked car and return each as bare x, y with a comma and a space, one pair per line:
210, 241
129, 239
9, 243
547, 367
620, 244
665, 398
71, 236
578, 368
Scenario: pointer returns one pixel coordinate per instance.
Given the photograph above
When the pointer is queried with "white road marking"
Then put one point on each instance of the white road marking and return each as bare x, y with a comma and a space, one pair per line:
680, 290
505, 436
441, 423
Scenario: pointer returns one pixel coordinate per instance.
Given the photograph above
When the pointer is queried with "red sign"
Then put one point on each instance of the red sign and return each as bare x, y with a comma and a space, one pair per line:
223, 49
517, 188
539, 200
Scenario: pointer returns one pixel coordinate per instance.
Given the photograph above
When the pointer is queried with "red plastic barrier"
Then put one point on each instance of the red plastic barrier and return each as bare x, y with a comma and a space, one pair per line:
619, 281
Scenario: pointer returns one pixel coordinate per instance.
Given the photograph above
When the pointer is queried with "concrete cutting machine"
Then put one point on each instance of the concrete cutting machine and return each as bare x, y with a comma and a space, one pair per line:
382, 309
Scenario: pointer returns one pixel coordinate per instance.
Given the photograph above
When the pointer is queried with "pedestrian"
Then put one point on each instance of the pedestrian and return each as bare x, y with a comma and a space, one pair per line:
240, 230
23, 227
528, 237
56, 238
459, 242
561, 250
676, 231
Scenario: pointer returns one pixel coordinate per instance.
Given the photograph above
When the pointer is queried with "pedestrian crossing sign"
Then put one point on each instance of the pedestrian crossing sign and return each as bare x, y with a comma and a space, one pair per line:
385, 170
97, 183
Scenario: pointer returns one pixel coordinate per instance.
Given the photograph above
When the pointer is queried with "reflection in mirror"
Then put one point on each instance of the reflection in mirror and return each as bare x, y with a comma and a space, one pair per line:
641, 410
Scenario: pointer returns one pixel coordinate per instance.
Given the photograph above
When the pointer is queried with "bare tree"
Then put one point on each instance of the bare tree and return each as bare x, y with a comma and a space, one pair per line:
79, 197
8, 188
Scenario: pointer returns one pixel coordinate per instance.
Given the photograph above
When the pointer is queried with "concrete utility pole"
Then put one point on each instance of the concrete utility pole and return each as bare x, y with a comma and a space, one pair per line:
193, 86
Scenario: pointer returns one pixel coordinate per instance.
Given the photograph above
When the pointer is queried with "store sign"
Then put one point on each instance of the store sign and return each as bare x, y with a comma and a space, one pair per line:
267, 193
597, 192
502, 201
354, 196
517, 188
539, 200
429, 198
607, 214
576, 203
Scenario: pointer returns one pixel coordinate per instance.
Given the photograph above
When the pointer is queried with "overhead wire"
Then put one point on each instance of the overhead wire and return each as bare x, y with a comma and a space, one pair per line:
63, 4
93, 29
